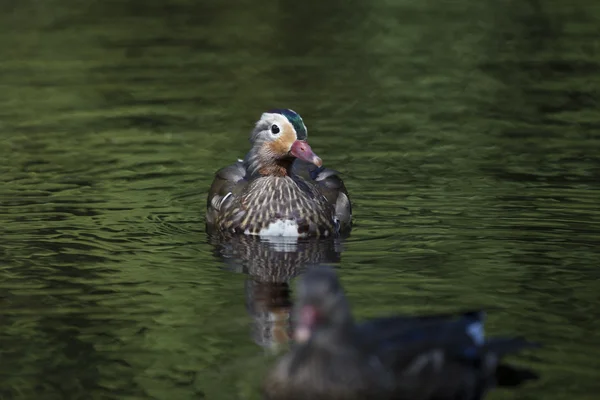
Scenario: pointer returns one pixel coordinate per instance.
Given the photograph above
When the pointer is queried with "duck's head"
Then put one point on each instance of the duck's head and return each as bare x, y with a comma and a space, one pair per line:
321, 308
277, 140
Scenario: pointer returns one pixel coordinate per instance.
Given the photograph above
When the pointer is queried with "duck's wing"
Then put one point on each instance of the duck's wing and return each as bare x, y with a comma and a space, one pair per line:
225, 191
442, 357
397, 328
392, 336
332, 187
449, 369
423, 354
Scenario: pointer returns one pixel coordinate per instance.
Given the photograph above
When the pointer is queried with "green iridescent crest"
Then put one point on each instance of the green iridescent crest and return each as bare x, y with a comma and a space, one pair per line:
295, 119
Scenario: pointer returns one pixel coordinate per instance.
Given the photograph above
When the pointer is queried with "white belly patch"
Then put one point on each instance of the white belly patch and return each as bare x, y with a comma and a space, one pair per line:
286, 227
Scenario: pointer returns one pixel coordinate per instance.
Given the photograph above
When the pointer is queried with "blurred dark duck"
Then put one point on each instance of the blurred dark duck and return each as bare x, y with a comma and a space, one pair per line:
280, 188
441, 357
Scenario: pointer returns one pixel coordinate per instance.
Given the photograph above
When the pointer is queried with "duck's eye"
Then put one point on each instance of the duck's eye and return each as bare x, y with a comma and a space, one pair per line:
275, 129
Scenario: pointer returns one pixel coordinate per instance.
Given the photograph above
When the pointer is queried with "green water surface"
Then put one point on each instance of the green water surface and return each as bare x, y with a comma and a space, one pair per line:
467, 132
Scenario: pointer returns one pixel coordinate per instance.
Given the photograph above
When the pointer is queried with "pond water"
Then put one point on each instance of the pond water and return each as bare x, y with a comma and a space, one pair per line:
467, 132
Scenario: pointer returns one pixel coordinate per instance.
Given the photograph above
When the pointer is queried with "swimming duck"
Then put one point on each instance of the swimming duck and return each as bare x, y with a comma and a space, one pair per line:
280, 188
441, 357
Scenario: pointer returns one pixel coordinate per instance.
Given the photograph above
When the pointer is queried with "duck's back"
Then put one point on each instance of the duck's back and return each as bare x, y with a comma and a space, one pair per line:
443, 357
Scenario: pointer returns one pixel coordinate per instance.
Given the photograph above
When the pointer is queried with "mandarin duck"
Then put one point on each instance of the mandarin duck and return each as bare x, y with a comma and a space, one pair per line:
441, 357
280, 188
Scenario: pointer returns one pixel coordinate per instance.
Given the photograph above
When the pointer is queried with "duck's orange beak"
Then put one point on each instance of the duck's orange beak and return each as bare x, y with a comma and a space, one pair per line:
300, 149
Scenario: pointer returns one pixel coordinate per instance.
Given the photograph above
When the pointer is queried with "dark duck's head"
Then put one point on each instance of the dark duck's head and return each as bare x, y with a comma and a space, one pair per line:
277, 140
322, 312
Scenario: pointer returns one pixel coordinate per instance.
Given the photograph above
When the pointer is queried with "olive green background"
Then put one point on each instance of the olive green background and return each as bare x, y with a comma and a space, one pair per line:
467, 132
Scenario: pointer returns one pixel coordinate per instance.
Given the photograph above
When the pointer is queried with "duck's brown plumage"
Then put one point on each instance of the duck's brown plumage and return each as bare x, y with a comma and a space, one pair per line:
271, 184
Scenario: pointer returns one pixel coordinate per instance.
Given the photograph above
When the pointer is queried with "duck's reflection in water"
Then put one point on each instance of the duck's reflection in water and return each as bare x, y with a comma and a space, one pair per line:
269, 265
269, 305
